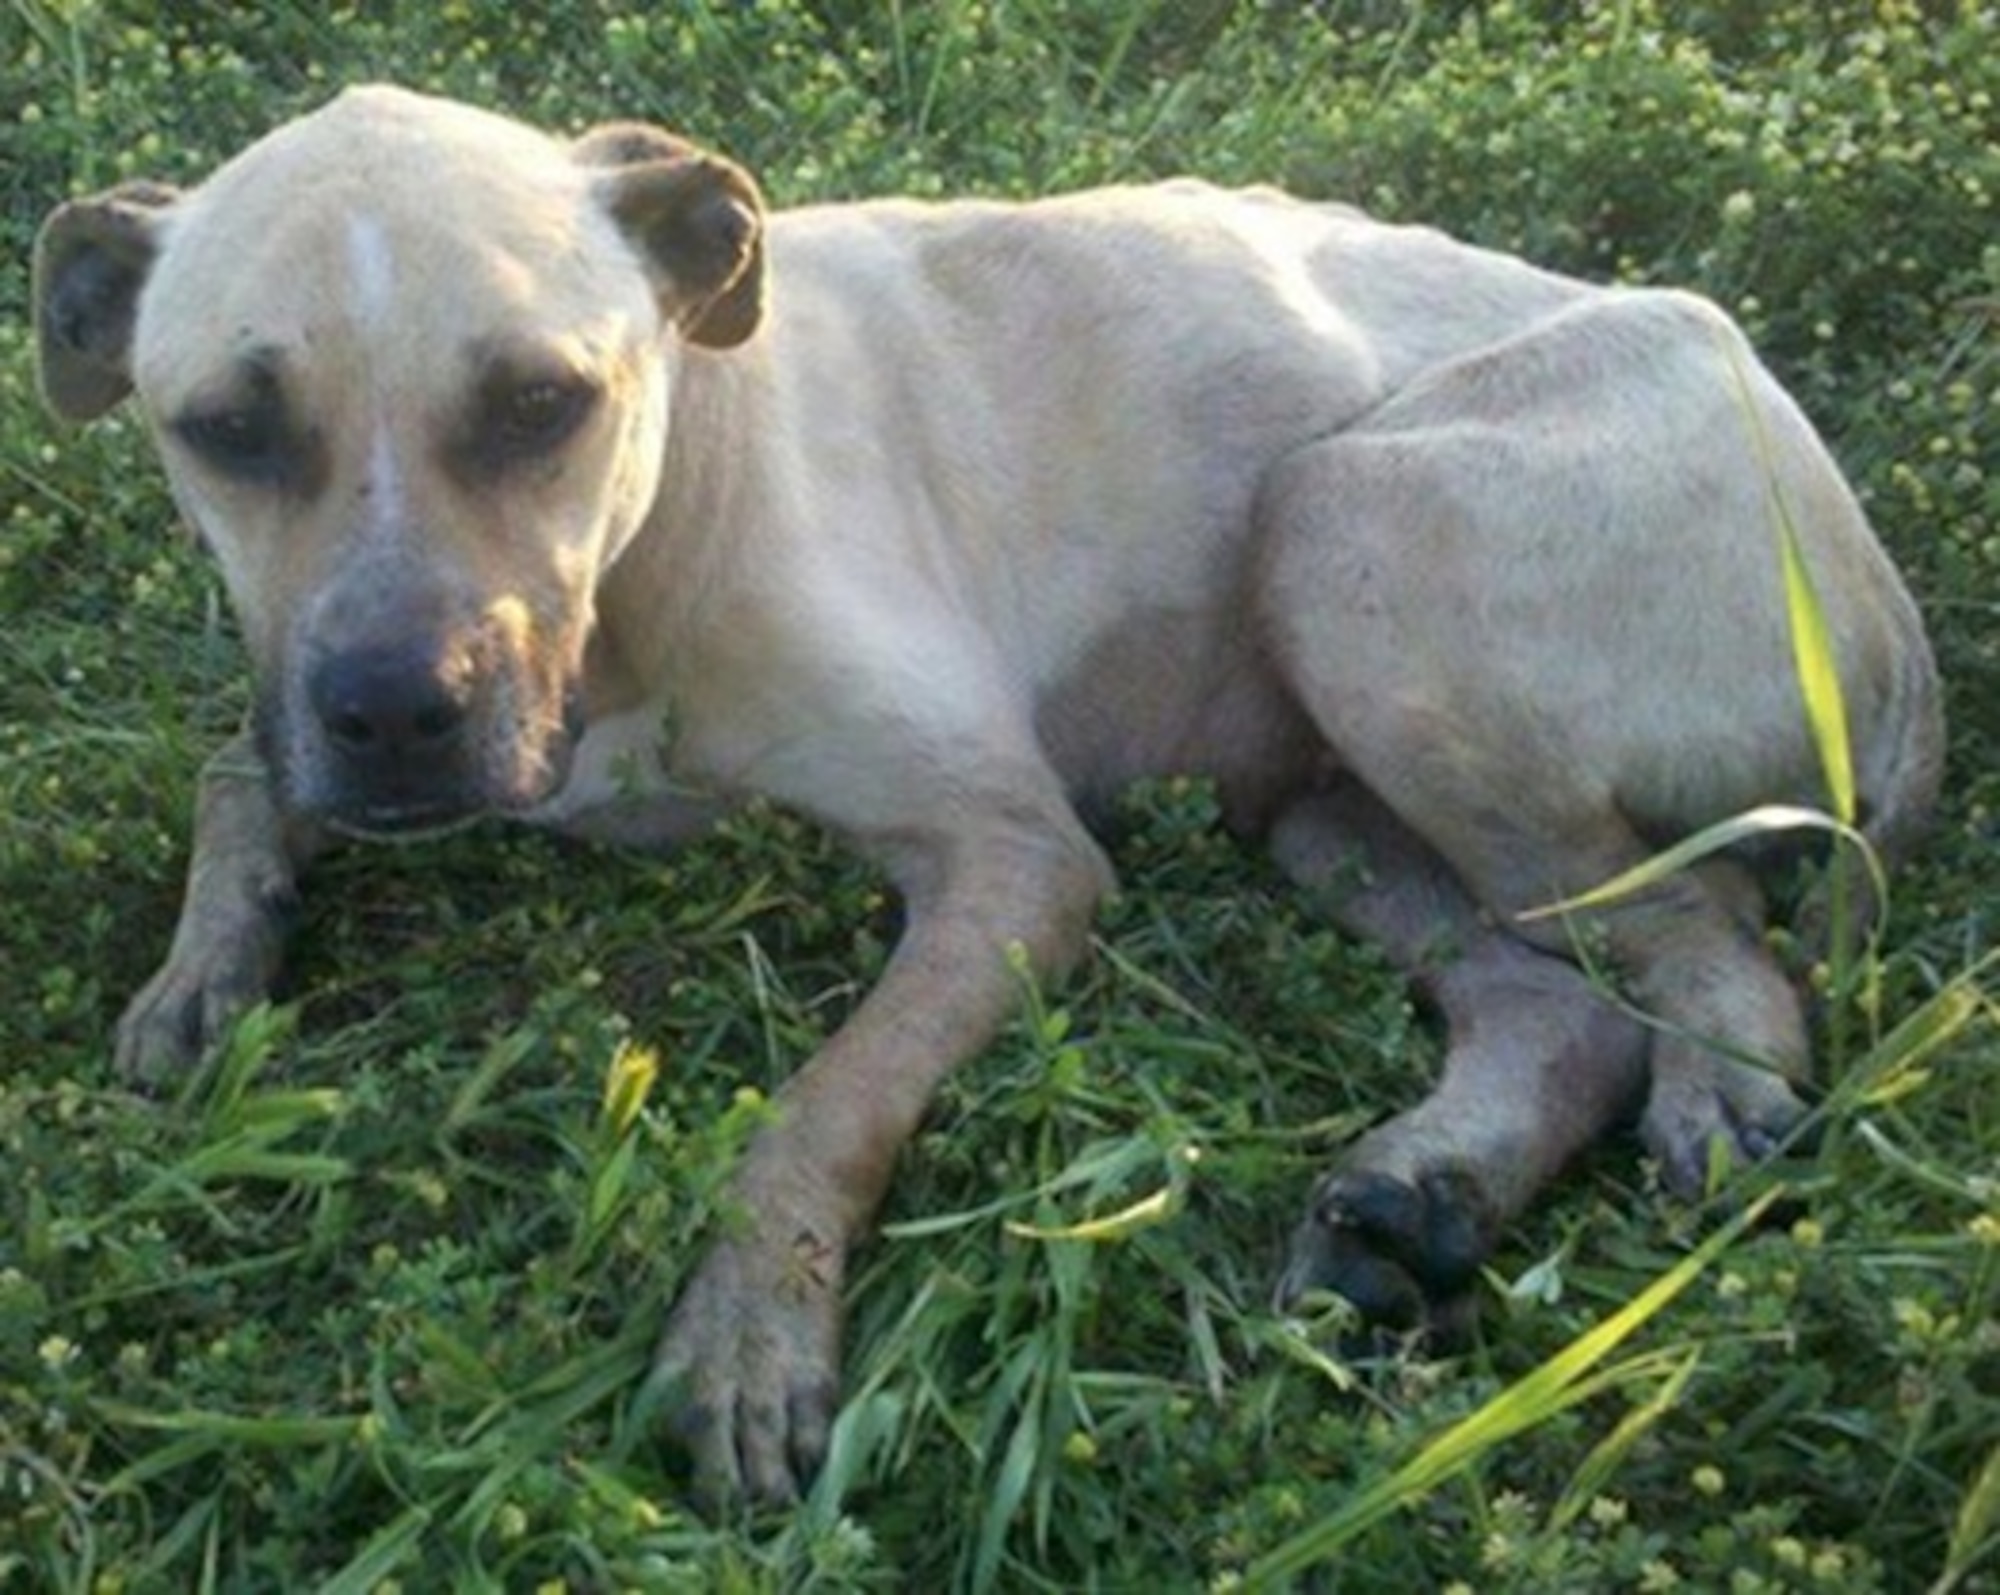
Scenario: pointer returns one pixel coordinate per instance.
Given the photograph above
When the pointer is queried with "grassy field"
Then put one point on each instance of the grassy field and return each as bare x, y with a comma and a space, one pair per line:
366, 1304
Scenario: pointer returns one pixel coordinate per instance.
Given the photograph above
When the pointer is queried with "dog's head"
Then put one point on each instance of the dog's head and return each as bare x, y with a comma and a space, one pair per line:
407, 364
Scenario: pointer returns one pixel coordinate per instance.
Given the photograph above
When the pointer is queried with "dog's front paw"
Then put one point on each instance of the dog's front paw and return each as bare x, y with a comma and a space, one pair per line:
1403, 1253
187, 1007
750, 1367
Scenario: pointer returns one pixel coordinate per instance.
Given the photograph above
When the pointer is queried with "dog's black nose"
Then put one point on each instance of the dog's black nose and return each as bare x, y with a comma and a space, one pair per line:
383, 706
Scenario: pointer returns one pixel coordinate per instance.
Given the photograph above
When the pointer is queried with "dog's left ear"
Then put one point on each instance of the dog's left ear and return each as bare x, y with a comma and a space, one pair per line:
695, 218
91, 259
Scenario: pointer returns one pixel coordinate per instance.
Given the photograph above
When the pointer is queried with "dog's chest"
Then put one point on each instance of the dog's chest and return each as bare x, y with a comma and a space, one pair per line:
619, 789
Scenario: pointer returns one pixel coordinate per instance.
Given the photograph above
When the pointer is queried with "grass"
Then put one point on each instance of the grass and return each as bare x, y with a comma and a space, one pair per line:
367, 1303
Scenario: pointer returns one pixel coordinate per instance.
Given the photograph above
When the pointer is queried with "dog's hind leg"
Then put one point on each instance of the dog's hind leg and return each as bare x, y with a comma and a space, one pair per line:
1538, 1065
1499, 638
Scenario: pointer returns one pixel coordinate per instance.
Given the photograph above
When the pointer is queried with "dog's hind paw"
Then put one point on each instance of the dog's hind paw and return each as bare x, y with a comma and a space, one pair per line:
748, 1369
1709, 1116
1405, 1254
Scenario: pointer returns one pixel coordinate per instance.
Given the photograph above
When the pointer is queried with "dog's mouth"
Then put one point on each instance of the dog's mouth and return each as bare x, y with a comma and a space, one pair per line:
491, 766
420, 822
420, 805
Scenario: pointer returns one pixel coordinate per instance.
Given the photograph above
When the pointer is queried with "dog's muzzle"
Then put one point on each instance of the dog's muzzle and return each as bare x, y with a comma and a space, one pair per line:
409, 738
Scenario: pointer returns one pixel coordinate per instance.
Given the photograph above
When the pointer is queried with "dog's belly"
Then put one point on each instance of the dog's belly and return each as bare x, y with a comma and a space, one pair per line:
1172, 694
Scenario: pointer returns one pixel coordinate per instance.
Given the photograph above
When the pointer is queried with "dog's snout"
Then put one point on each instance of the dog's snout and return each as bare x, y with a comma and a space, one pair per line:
398, 733
384, 706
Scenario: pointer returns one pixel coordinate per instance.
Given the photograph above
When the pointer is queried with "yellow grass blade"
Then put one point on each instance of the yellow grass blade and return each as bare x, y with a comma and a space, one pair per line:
1142, 1214
1812, 642
1819, 678
1724, 834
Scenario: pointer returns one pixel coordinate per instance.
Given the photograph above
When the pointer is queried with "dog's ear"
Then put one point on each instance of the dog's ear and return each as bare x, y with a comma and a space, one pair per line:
91, 259
696, 219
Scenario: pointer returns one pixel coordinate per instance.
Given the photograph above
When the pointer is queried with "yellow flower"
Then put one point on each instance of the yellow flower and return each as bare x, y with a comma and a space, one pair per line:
627, 1084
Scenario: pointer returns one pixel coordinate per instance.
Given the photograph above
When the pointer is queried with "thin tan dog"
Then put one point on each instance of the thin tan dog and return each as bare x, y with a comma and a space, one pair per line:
1460, 580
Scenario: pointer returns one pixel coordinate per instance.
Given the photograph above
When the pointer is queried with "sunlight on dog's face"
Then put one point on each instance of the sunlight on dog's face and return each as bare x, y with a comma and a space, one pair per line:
410, 390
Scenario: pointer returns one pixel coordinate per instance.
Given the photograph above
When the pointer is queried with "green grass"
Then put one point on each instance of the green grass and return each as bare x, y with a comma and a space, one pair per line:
367, 1303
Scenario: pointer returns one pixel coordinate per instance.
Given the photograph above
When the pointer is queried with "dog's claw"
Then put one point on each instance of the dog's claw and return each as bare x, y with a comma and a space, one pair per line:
749, 1366
1404, 1253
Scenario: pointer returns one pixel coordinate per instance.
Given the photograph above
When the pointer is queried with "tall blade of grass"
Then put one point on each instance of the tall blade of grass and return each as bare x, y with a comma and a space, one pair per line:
211, 1558
238, 1429
1768, 820
197, 1522
1609, 1453
192, 1281
1819, 677
1009, 1486
1813, 659
1557, 1384
868, 1428
1104, 1165
499, 1060
210, 1099
242, 1158
387, 1549
1883, 1072
1818, 673
522, 1432
1142, 1214
1977, 1529
161, 1461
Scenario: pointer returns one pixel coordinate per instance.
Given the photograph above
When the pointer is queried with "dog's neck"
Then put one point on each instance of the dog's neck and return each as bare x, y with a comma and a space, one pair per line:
669, 609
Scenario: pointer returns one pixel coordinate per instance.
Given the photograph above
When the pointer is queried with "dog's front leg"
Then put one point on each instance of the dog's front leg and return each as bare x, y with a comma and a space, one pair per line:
230, 939
751, 1353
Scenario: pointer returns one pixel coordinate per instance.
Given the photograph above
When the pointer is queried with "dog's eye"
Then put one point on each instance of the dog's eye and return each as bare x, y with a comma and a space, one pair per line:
534, 417
250, 444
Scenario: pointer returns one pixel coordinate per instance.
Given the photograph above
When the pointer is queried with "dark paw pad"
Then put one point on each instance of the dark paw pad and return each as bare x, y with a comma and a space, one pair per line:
1406, 1255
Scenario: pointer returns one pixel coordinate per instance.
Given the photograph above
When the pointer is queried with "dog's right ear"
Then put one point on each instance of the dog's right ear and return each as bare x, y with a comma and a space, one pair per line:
695, 218
91, 259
